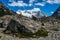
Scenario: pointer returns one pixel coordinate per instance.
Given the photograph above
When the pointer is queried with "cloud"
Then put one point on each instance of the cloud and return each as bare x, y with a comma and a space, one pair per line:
40, 4
31, 1
53, 1
19, 3
30, 4
35, 9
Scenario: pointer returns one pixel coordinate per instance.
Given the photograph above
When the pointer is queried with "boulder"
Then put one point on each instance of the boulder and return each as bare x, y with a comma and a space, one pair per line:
16, 27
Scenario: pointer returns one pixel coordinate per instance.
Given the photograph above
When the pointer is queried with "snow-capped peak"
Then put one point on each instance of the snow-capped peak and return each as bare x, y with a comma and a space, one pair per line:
35, 12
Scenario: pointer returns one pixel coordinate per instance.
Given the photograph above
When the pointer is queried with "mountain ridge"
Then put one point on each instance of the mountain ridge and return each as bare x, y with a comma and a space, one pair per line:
4, 10
47, 27
57, 12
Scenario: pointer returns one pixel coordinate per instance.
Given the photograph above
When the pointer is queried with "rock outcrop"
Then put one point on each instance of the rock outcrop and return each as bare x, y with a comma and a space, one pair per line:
16, 27
24, 22
56, 13
5, 11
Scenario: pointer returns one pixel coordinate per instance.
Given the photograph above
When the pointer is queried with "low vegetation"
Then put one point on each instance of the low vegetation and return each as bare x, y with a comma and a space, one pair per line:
40, 33
0, 36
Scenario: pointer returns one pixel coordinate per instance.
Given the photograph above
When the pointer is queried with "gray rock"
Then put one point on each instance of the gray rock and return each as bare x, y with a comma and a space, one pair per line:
16, 27
30, 24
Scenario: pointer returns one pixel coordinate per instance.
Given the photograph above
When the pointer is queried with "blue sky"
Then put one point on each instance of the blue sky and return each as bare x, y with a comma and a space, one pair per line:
46, 6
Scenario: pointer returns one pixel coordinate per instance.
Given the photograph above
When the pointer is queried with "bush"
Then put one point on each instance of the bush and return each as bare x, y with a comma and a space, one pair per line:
41, 32
0, 36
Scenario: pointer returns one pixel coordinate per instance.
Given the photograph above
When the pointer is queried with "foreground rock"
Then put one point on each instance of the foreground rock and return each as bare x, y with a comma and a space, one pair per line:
30, 24
16, 27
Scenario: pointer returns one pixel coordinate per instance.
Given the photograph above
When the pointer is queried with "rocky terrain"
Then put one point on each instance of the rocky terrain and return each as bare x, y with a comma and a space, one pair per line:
18, 27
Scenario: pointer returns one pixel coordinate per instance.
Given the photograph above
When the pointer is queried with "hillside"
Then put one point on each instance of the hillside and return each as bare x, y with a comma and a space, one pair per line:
17, 25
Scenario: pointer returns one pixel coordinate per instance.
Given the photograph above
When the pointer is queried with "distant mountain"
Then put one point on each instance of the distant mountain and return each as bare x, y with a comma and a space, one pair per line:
5, 11
37, 14
57, 12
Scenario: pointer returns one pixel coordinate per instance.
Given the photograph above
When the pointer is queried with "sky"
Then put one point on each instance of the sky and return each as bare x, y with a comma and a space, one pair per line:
46, 6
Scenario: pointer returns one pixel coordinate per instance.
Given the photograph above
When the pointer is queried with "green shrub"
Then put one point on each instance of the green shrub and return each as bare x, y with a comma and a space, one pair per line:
41, 32
0, 36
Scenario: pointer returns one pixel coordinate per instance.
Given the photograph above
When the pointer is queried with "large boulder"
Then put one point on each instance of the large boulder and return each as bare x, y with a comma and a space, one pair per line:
30, 24
16, 27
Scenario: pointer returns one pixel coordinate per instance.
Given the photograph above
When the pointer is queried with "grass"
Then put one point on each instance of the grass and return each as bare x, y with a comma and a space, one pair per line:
41, 32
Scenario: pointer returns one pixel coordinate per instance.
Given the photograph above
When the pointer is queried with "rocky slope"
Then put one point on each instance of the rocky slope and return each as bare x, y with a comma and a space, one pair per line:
5, 11
47, 28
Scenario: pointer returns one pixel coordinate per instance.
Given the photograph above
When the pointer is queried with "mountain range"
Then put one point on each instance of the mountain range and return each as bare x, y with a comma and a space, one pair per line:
25, 25
29, 13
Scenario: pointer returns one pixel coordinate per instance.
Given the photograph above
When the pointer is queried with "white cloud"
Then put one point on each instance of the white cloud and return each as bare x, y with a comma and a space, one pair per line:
19, 3
31, 1
30, 4
53, 1
35, 9
40, 4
